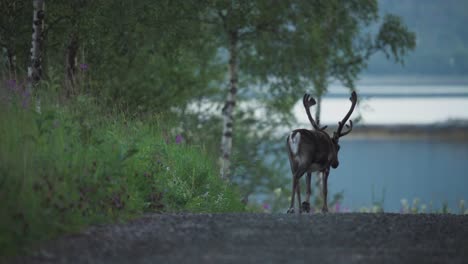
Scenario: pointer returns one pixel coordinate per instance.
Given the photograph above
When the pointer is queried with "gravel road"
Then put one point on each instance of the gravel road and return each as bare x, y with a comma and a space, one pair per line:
265, 238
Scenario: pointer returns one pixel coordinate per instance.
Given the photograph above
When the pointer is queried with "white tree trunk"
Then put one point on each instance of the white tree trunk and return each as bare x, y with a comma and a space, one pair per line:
318, 110
35, 67
228, 109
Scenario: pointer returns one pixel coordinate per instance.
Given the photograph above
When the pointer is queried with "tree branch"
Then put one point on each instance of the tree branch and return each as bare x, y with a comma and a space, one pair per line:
223, 18
198, 19
260, 27
54, 23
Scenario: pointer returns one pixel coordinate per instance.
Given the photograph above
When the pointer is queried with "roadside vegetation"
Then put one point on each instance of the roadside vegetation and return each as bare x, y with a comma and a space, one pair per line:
76, 164
413, 207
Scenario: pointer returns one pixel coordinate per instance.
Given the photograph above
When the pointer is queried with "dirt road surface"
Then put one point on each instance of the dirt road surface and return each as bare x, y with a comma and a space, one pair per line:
265, 238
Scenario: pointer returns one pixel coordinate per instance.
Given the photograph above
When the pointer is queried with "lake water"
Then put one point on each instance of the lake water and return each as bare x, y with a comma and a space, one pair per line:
429, 170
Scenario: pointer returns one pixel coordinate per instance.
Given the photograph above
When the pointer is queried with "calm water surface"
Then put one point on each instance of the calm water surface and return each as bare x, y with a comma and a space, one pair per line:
434, 171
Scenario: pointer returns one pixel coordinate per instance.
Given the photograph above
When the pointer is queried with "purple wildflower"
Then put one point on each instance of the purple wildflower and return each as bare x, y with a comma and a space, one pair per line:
84, 66
26, 96
266, 206
11, 84
179, 139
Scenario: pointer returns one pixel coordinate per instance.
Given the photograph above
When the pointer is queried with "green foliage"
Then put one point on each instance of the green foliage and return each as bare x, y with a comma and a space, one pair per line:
75, 165
159, 62
394, 38
15, 33
144, 55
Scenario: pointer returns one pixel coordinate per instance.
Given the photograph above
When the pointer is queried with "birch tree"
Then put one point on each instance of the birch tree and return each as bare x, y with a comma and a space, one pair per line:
232, 33
35, 67
238, 24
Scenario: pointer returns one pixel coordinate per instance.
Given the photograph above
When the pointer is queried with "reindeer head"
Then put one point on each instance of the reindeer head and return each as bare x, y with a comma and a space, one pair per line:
309, 101
338, 133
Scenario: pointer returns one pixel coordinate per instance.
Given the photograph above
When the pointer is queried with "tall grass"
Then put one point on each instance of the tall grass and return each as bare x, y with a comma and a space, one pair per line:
75, 165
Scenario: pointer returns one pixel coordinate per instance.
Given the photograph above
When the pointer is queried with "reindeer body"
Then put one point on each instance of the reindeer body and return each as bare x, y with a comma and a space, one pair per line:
310, 151
312, 148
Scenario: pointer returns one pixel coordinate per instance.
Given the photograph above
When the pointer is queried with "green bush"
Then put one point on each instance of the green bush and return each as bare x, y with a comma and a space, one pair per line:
76, 165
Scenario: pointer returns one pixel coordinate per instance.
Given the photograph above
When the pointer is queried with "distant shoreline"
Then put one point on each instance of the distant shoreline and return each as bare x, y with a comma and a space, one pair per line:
405, 132
412, 79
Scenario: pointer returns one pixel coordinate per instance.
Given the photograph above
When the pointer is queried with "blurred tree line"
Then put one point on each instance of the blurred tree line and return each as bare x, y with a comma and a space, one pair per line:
442, 38
228, 72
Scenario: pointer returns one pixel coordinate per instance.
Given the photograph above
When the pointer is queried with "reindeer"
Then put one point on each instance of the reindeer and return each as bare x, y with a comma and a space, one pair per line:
314, 150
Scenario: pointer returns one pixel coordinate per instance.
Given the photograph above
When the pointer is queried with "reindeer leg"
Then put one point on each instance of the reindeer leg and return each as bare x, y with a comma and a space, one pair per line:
325, 190
296, 189
306, 203
298, 192
319, 182
293, 193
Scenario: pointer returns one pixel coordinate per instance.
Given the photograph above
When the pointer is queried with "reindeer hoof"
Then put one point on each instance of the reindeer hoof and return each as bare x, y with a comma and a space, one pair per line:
290, 211
325, 210
306, 207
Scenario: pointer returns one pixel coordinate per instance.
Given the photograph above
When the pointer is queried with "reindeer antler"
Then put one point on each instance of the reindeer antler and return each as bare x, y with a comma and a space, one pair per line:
308, 102
338, 132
